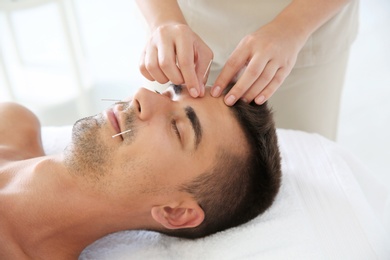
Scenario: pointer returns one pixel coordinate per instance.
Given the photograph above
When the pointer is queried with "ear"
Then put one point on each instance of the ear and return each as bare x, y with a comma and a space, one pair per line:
177, 217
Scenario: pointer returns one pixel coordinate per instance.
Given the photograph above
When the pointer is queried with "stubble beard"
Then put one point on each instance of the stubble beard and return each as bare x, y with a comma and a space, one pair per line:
87, 155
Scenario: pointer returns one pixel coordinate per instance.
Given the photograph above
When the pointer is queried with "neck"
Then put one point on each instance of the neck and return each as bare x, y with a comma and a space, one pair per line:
49, 213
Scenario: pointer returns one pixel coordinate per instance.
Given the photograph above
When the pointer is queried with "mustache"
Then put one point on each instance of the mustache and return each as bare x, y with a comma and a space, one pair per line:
130, 114
129, 129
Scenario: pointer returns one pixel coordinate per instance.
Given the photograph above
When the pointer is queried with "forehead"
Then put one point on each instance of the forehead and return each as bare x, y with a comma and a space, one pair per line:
219, 125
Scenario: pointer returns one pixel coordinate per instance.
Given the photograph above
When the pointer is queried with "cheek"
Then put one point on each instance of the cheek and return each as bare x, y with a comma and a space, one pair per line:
154, 164
155, 175
141, 170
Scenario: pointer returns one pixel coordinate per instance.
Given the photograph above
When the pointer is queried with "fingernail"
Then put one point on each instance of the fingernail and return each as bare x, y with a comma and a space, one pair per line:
194, 92
259, 100
230, 100
245, 100
216, 91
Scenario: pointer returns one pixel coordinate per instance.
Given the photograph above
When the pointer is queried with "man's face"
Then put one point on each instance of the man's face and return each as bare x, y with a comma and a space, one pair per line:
174, 138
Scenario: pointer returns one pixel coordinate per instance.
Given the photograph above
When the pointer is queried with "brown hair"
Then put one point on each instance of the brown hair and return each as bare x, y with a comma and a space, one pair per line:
240, 186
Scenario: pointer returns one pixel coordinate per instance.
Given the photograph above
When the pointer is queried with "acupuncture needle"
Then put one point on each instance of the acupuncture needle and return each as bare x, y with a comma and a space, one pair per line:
121, 133
110, 99
206, 74
117, 101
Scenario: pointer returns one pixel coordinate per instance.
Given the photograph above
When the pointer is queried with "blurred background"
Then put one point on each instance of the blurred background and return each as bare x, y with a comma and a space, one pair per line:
61, 57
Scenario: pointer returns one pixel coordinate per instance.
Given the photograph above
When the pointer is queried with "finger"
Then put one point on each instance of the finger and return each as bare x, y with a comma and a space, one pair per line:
203, 61
167, 63
185, 59
202, 70
248, 78
271, 88
143, 69
264, 79
207, 73
152, 65
233, 65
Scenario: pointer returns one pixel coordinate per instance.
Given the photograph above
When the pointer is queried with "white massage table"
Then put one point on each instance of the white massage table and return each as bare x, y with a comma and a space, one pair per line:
329, 207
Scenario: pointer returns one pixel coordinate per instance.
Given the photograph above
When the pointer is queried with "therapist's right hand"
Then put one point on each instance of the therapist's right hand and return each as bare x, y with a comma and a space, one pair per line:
175, 53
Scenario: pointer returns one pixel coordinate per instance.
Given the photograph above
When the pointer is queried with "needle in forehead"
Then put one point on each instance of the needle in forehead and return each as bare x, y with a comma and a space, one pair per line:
206, 74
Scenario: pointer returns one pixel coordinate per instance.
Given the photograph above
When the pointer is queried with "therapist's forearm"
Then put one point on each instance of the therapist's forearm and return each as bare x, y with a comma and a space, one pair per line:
161, 12
304, 17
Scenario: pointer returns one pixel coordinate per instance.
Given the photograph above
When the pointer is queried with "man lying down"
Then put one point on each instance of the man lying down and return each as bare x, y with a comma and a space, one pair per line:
187, 168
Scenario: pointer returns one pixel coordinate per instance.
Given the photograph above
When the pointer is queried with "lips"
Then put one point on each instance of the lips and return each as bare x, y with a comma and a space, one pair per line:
114, 121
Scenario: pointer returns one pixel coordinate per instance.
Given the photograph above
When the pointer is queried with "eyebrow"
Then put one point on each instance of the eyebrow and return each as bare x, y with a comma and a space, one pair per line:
192, 116
195, 123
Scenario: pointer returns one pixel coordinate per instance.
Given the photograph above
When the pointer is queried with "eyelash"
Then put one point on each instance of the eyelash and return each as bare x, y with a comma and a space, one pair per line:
173, 122
174, 126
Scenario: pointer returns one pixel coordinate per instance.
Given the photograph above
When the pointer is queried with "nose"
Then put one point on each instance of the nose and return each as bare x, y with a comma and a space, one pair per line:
150, 103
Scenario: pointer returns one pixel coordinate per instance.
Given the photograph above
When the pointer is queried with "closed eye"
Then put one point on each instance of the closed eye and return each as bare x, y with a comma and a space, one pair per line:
175, 129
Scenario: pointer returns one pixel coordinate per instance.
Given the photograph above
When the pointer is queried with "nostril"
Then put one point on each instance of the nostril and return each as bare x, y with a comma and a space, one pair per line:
139, 106
136, 105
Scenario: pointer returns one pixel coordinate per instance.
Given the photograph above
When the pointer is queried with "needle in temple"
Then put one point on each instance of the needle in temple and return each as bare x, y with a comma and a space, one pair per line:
121, 133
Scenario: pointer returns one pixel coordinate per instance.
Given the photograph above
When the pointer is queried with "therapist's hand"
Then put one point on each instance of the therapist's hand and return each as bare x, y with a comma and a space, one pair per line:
263, 59
175, 53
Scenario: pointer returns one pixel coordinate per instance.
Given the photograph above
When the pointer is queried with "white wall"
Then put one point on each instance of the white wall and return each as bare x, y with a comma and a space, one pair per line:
112, 34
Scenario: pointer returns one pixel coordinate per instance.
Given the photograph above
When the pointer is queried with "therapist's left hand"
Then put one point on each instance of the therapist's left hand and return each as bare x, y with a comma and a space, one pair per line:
265, 58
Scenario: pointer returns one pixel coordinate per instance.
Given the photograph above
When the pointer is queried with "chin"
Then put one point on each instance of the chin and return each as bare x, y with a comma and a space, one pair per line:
88, 153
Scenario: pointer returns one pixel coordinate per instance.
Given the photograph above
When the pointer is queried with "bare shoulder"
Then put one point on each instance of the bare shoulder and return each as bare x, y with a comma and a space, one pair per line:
20, 132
